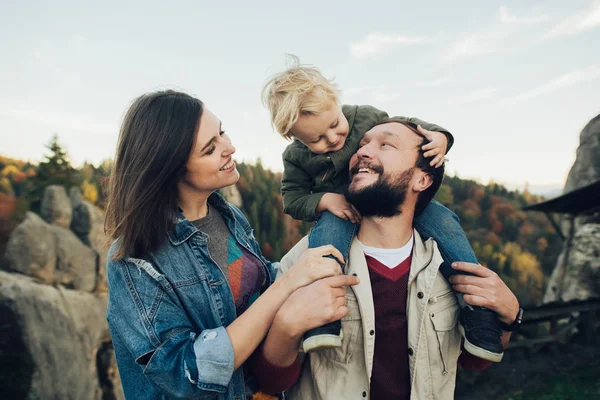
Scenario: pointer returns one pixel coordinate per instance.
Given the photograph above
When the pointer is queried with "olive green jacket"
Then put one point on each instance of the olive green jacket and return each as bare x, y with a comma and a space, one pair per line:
308, 176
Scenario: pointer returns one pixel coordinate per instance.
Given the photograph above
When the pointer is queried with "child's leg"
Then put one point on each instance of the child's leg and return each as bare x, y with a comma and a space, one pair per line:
330, 229
444, 226
339, 233
482, 337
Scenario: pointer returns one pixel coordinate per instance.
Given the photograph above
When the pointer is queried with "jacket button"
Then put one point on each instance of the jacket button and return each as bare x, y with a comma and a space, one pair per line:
410, 351
364, 394
420, 295
371, 332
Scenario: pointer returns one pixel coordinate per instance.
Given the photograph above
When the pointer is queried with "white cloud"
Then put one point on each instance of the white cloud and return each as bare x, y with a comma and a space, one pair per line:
376, 43
474, 96
576, 23
470, 46
491, 40
506, 18
61, 121
569, 79
436, 82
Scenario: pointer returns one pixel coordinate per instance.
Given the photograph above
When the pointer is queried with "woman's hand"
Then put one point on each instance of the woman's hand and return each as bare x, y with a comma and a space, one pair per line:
311, 306
485, 289
313, 265
314, 305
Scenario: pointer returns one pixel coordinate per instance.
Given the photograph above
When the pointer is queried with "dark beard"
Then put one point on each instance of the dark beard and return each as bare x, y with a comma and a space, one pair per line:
383, 198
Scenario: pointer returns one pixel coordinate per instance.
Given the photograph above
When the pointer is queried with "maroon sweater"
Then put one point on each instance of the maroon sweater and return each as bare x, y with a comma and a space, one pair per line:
391, 377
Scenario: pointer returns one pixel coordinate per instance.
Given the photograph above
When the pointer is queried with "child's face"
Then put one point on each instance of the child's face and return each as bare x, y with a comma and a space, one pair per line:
322, 133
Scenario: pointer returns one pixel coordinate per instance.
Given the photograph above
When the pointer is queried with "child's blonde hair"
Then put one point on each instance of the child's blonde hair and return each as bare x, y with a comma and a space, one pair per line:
299, 90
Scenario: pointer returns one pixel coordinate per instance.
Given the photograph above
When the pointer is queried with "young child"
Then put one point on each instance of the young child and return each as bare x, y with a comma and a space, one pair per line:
304, 106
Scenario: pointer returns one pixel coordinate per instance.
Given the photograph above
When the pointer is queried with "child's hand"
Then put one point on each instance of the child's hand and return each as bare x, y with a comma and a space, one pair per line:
338, 205
436, 146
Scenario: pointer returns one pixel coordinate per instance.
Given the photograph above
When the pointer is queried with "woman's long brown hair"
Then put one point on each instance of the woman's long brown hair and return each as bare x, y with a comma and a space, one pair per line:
155, 141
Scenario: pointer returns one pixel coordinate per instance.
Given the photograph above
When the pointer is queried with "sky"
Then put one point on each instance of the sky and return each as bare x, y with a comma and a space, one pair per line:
514, 81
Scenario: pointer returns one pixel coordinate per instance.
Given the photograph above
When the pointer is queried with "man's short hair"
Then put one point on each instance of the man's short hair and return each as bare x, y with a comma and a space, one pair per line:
437, 174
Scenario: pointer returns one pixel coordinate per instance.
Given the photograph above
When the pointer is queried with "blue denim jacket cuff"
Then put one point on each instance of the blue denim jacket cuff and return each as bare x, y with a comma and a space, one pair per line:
214, 359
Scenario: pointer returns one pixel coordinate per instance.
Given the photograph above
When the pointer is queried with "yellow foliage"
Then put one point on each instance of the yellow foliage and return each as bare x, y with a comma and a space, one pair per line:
524, 266
500, 260
90, 192
5, 186
487, 251
9, 171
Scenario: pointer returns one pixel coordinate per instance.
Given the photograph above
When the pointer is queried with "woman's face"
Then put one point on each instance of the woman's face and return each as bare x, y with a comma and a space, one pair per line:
210, 165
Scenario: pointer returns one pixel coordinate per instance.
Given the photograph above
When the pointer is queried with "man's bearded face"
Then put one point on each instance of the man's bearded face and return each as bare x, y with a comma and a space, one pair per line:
382, 198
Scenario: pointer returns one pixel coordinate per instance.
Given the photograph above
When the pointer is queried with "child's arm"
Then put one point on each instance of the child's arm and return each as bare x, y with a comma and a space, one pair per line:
298, 200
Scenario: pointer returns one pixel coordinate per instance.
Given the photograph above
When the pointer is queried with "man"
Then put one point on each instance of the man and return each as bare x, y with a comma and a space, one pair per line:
399, 323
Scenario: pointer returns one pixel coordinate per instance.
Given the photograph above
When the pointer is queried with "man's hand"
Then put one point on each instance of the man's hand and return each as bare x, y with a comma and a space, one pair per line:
338, 205
438, 143
485, 289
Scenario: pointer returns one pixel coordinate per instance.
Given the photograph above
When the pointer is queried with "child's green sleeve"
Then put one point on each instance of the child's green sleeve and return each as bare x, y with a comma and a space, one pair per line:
298, 200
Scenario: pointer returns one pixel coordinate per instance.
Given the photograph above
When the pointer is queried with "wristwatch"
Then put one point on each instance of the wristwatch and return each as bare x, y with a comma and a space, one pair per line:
516, 323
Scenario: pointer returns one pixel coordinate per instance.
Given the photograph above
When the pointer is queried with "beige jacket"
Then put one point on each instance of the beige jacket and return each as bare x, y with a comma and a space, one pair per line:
433, 337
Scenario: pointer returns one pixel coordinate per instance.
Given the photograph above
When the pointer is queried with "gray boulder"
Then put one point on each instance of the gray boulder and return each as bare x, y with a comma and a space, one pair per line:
54, 343
577, 271
75, 196
56, 206
76, 263
586, 169
88, 225
31, 249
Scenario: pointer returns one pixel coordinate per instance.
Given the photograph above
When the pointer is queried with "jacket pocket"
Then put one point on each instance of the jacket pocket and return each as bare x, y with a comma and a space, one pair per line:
444, 319
351, 326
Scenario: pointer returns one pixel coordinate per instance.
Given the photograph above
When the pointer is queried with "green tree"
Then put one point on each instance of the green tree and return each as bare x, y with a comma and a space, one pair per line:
55, 170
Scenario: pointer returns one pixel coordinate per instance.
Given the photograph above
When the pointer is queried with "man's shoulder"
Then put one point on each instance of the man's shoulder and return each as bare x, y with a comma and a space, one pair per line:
426, 249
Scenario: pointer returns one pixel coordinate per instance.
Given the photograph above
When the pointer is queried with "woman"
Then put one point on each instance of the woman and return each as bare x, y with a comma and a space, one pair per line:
185, 270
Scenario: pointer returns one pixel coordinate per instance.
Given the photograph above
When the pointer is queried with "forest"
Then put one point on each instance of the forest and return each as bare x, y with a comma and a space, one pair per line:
520, 246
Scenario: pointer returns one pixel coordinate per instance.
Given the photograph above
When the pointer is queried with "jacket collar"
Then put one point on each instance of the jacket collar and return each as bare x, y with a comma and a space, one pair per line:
184, 229
421, 256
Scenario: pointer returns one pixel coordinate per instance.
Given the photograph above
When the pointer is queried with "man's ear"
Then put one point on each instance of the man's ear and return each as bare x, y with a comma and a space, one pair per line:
423, 182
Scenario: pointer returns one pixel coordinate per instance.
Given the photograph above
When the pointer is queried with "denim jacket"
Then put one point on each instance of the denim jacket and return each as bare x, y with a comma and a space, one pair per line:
167, 315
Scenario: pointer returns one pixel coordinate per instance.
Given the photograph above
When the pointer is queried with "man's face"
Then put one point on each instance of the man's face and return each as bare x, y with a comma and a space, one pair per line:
383, 170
